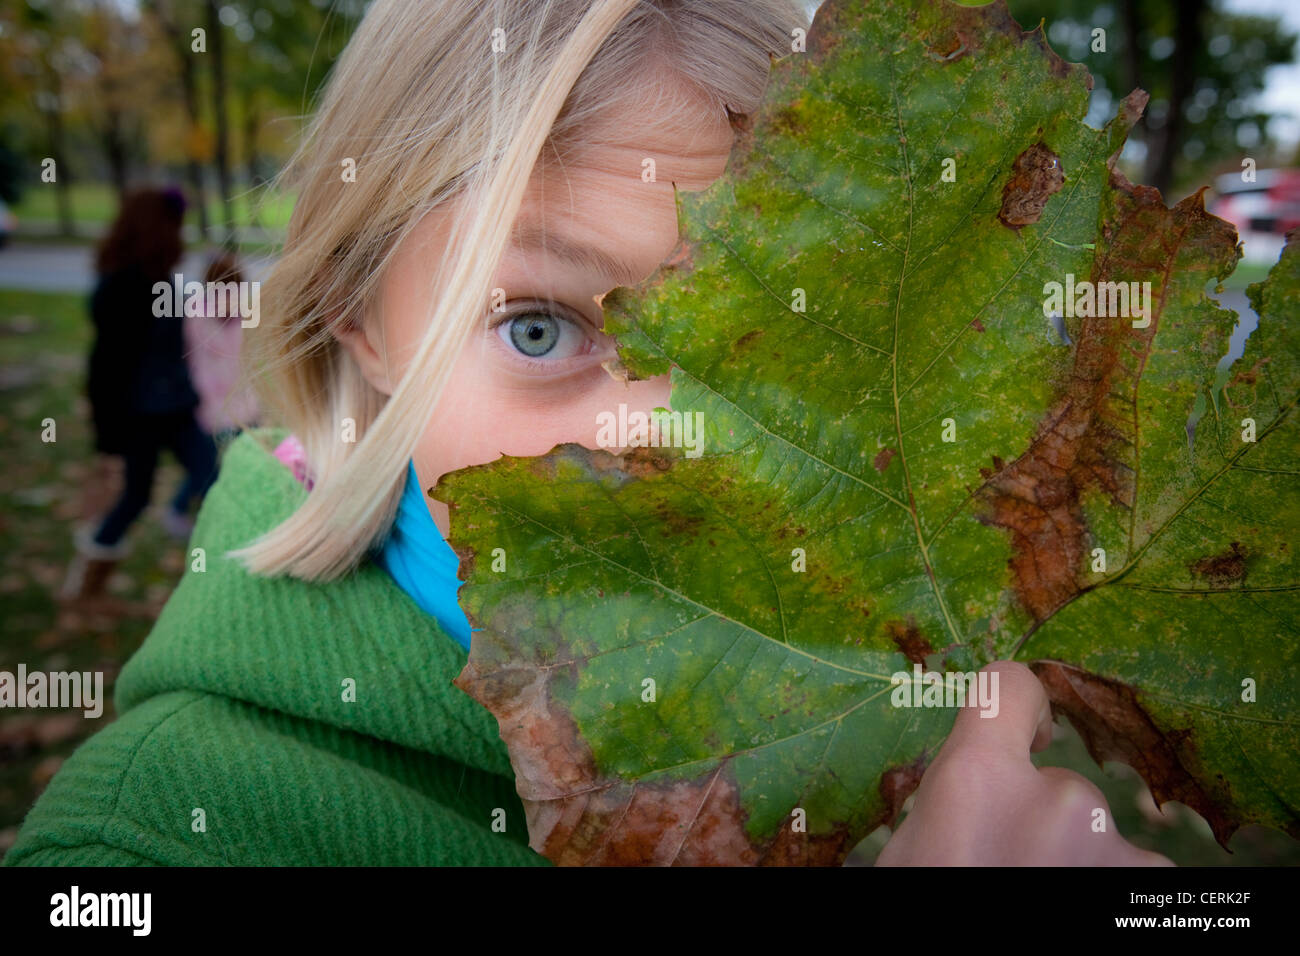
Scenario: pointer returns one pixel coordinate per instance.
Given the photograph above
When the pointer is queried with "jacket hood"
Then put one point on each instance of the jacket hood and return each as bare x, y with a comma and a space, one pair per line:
294, 646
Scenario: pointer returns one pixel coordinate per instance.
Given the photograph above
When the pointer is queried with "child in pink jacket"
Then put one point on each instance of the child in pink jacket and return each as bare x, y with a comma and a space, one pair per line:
212, 354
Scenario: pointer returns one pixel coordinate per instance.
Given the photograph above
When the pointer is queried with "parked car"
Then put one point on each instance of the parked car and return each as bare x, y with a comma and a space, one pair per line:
1263, 211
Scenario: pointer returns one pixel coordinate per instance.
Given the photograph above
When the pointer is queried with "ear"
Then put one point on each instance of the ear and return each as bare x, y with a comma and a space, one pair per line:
374, 367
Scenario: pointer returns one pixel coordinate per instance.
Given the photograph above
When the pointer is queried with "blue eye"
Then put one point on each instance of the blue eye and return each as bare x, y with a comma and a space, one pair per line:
534, 334
543, 335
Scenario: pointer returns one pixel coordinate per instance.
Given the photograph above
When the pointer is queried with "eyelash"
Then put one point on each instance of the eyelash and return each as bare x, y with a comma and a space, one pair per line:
544, 306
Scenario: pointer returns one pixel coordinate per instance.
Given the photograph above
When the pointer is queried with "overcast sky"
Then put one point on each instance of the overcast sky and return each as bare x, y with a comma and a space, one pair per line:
1282, 93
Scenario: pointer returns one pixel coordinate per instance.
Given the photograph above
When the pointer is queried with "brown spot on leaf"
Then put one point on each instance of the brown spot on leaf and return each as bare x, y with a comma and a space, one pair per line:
1115, 726
954, 49
827, 30
468, 561
677, 523
1055, 63
741, 123
695, 822
1131, 108
909, 639
577, 816
1222, 569
643, 462
807, 849
897, 784
748, 337
1085, 440
1249, 376
975, 28
837, 585
998, 465
681, 259
786, 121
1036, 176
977, 325
882, 460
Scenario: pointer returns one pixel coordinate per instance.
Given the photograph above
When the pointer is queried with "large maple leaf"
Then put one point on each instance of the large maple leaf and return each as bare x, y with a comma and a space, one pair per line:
907, 461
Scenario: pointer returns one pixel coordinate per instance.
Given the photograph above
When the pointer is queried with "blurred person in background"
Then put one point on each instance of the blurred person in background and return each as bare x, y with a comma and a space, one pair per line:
212, 355
138, 384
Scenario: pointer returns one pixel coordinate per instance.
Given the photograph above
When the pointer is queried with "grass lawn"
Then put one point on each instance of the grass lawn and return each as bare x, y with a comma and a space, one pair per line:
44, 339
97, 203
1246, 273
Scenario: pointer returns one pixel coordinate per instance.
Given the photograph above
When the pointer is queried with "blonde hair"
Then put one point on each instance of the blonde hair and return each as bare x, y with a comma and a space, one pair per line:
429, 113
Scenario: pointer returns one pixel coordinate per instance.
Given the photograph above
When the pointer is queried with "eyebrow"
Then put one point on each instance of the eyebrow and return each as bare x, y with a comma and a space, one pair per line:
579, 254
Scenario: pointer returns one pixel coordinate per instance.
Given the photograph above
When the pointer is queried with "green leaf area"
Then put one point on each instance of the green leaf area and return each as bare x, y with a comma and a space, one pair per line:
906, 461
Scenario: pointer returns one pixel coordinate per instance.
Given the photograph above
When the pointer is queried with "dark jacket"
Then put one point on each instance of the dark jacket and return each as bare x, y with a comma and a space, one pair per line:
137, 366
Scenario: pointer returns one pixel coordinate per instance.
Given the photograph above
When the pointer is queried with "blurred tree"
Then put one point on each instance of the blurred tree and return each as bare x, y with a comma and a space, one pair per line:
283, 51
123, 70
123, 78
264, 61
175, 21
278, 72
221, 119
37, 62
1203, 66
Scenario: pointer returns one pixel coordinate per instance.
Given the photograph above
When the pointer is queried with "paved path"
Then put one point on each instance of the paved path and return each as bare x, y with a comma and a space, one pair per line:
41, 267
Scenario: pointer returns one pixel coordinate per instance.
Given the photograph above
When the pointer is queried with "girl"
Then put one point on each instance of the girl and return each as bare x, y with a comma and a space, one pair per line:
140, 393
212, 357
294, 703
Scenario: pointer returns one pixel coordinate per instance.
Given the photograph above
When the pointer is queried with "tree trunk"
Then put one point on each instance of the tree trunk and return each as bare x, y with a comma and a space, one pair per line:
1132, 52
1164, 143
192, 165
222, 155
111, 135
180, 42
252, 121
115, 150
62, 174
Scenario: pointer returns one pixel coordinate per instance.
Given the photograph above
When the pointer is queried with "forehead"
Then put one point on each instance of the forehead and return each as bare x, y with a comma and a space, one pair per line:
681, 128
614, 188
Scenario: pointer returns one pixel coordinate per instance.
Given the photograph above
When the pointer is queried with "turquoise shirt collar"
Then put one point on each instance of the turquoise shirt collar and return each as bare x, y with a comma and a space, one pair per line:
422, 563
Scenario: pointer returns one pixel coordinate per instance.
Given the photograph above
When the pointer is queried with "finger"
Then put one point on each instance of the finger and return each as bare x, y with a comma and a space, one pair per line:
1148, 858
1079, 802
1017, 721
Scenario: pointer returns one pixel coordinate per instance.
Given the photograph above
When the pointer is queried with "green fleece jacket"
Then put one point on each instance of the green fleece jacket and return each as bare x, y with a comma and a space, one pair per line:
276, 722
